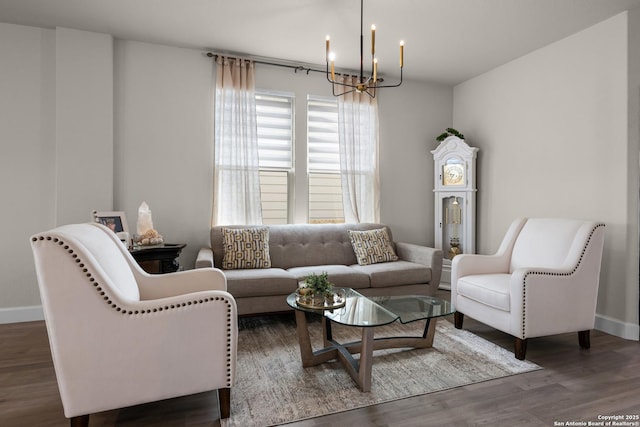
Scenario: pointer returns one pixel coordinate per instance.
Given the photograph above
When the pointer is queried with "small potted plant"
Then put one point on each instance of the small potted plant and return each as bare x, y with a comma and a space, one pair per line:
316, 288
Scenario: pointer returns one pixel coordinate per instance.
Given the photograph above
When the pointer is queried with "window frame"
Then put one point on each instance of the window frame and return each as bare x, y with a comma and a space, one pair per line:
290, 96
323, 131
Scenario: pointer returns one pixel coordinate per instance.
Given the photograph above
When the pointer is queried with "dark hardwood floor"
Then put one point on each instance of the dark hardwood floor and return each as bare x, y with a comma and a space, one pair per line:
574, 385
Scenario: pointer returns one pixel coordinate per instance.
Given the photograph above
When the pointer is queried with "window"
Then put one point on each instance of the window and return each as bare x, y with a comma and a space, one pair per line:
323, 158
275, 122
275, 151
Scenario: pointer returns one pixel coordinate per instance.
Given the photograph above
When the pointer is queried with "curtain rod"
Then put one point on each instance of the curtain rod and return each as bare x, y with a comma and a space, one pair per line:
269, 61
283, 63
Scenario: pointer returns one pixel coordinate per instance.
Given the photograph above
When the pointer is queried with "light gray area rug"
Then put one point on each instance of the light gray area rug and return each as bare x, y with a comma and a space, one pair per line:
273, 388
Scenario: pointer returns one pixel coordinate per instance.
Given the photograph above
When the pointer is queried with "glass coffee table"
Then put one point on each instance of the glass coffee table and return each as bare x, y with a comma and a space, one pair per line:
367, 313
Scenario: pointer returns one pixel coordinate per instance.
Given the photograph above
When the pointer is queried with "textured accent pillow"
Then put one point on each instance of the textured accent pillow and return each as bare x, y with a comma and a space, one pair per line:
245, 248
372, 246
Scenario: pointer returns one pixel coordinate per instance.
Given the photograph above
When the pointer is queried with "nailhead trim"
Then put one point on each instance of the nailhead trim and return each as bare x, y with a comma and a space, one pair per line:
543, 273
168, 307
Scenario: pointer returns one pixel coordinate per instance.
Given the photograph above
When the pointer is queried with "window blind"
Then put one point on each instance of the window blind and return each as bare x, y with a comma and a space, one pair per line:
322, 135
274, 119
325, 187
275, 130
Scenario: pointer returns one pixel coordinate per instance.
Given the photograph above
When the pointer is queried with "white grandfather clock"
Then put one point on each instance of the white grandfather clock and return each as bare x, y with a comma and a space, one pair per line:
455, 201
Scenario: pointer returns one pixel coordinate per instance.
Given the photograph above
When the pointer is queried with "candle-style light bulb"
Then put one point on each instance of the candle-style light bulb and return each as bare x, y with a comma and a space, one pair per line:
328, 42
401, 53
373, 40
375, 70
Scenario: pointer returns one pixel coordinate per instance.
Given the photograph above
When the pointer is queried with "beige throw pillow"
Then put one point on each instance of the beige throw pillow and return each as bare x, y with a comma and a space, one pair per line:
245, 248
372, 246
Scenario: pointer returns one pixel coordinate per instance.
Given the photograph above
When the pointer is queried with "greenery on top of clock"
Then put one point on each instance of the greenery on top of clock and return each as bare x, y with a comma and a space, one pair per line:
449, 132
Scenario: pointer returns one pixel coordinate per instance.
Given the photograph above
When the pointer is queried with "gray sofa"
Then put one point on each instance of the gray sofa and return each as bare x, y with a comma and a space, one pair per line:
297, 250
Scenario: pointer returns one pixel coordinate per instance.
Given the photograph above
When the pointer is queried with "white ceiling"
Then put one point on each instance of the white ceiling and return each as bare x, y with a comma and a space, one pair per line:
446, 41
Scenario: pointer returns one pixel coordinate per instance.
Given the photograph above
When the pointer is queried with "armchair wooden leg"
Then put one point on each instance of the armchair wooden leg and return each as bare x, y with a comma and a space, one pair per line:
80, 421
584, 339
458, 318
520, 349
224, 401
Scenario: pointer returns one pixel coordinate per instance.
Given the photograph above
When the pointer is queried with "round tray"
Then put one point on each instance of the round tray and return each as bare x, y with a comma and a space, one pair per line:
322, 307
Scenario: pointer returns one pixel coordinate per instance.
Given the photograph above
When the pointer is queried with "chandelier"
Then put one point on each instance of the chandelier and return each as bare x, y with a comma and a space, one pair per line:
367, 84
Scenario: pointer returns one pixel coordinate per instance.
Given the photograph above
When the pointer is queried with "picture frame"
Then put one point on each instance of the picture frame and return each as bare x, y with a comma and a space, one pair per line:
115, 220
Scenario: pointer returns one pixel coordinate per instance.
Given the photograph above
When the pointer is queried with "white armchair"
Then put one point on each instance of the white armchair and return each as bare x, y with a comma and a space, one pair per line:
543, 280
121, 337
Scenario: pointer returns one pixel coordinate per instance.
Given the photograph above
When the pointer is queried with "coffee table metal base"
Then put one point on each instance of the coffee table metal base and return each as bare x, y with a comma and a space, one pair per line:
360, 370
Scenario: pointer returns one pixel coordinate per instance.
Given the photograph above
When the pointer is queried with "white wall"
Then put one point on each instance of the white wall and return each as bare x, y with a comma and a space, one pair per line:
163, 151
27, 96
633, 161
411, 117
84, 124
552, 131
56, 144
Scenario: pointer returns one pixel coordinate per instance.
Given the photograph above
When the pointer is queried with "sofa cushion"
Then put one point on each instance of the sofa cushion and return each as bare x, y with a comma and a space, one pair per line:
340, 275
246, 248
260, 282
372, 246
488, 289
395, 273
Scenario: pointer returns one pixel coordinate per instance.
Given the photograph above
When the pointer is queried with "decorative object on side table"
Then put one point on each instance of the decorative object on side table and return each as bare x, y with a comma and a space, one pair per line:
149, 249
116, 221
146, 235
316, 291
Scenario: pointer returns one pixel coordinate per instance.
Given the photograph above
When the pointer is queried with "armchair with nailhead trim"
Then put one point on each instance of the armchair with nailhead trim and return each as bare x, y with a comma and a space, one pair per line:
121, 337
543, 280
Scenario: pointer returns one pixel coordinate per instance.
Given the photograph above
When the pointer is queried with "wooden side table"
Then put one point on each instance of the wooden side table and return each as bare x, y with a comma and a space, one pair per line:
158, 259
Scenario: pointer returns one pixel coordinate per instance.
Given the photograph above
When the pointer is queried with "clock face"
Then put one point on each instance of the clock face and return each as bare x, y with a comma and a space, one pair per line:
453, 174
